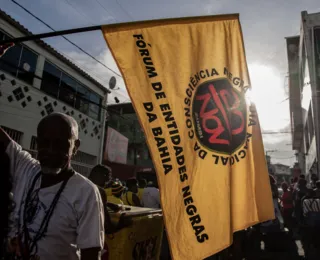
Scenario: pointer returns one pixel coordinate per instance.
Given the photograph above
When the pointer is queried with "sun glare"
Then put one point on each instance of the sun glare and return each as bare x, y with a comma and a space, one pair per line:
269, 96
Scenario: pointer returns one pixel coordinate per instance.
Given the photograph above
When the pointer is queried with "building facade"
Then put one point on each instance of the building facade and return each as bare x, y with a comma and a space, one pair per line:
304, 89
123, 118
35, 81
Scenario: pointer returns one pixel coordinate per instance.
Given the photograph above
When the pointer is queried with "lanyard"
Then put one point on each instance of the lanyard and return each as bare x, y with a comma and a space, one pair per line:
30, 244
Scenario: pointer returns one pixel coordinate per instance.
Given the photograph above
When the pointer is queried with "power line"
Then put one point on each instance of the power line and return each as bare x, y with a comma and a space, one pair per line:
106, 10
75, 45
79, 12
124, 10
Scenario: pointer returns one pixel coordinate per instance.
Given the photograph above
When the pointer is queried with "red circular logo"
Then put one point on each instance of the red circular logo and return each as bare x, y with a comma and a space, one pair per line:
220, 116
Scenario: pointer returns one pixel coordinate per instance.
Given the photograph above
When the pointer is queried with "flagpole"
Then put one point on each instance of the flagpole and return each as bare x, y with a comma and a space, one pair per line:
50, 34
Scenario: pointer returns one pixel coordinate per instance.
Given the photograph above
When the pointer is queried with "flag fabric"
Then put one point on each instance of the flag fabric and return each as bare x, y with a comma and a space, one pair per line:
187, 79
4, 48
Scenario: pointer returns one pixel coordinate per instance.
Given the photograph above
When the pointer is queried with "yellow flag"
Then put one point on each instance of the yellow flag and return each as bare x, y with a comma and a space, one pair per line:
187, 79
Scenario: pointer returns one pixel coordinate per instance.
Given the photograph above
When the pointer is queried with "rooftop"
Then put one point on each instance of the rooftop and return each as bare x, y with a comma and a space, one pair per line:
50, 49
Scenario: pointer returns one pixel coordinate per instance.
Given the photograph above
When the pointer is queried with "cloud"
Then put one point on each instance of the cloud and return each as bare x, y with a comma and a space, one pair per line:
101, 73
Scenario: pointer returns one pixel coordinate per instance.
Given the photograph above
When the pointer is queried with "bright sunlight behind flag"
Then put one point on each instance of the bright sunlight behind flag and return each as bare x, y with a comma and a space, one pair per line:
187, 79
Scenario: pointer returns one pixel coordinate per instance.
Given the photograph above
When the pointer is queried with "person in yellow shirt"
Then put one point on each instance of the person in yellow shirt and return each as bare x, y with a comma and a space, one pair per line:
108, 189
117, 190
142, 185
130, 197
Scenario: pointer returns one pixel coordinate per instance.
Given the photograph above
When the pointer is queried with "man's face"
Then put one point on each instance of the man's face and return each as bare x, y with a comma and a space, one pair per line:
55, 146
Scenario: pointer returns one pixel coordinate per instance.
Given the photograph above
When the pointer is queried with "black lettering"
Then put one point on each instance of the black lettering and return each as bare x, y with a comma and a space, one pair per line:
164, 107
144, 52
202, 154
191, 86
183, 177
196, 146
189, 123
148, 106
214, 72
224, 160
164, 151
138, 36
157, 86
166, 160
195, 220
141, 44
157, 131
231, 160
188, 201
193, 81
167, 168
151, 117
191, 210
242, 154
168, 116
197, 77
189, 92
216, 161
186, 191
160, 141
160, 95
173, 132
225, 71
172, 125
151, 72
175, 139
191, 134
182, 169
178, 150
202, 75
202, 238
236, 81
207, 73
147, 61
187, 101
198, 229
187, 111
180, 160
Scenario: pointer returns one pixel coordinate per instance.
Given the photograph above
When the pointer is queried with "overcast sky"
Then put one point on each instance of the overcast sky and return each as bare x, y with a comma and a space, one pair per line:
264, 24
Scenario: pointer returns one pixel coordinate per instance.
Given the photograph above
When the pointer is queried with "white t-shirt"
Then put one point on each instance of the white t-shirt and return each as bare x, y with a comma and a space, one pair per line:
78, 218
151, 198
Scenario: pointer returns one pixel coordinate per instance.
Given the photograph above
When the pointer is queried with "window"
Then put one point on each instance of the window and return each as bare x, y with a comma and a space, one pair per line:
50, 79
14, 134
19, 61
27, 65
33, 143
94, 106
68, 89
60, 85
82, 99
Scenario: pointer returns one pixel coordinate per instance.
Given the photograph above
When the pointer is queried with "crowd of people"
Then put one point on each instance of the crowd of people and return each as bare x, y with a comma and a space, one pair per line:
49, 205
132, 192
51, 211
300, 210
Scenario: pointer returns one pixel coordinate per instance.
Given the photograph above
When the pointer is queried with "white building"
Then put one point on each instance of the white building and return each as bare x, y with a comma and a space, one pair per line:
35, 80
304, 90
